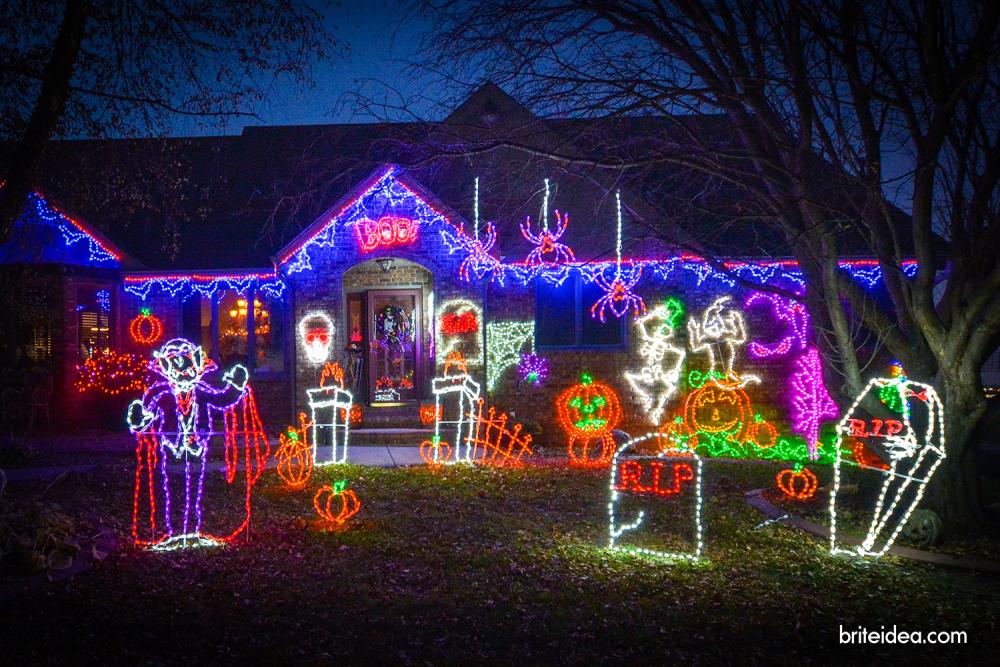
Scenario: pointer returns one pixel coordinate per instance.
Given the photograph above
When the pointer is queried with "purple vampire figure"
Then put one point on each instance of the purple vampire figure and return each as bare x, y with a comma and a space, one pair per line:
177, 422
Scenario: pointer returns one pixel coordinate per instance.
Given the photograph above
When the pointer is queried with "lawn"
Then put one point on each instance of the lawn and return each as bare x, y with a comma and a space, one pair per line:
475, 565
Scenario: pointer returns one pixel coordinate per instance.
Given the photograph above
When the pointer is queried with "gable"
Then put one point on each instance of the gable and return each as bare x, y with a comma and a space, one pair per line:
387, 208
44, 235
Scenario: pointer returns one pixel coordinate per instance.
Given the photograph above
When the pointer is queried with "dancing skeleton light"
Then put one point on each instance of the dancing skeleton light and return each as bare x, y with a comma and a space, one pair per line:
175, 422
657, 381
618, 295
913, 446
720, 333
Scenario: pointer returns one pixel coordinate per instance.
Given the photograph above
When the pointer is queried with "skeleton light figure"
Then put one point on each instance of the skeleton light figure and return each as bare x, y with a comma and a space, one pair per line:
175, 422
912, 446
720, 332
316, 335
659, 378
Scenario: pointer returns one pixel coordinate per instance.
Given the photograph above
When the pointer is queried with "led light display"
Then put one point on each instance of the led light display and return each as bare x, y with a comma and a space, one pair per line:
533, 369
109, 372
387, 232
210, 286
720, 332
294, 457
145, 328
912, 456
492, 443
793, 313
326, 503
175, 423
456, 396
810, 401
589, 411
459, 327
657, 380
618, 296
505, 341
798, 483
316, 336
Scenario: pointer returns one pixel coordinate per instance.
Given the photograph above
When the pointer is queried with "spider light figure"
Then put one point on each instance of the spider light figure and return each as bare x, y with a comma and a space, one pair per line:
618, 296
912, 446
478, 261
548, 250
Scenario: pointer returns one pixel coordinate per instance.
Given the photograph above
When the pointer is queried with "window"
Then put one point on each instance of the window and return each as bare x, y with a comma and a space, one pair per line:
196, 322
562, 316
232, 329
269, 326
93, 308
233, 313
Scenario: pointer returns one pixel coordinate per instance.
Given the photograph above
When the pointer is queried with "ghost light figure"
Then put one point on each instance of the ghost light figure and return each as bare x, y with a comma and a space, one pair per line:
657, 380
653, 492
316, 335
176, 423
911, 446
720, 332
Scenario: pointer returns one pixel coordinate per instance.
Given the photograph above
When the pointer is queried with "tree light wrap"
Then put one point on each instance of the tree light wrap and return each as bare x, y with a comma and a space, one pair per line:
810, 400
456, 396
331, 406
720, 332
657, 380
145, 328
175, 424
912, 457
653, 482
505, 341
589, 411
316, 336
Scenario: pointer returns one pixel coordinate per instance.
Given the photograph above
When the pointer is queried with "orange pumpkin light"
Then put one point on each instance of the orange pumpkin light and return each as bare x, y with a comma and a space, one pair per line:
145, 328
354, 416
323, 501
865, 457
719, 407
588, 412
798, 484
764, 435
294, 456
429, 414
435, 452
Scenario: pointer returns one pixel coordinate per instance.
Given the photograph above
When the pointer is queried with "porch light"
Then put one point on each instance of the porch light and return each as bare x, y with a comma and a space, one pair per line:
385, 264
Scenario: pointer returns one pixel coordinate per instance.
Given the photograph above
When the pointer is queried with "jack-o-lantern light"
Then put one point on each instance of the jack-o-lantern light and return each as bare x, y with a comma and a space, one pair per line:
588, 412
294, 456
325, 503
719, 408
797, 483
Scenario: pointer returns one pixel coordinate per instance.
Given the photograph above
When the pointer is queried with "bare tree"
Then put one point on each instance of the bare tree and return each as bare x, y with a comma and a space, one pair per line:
98, 68
819, 101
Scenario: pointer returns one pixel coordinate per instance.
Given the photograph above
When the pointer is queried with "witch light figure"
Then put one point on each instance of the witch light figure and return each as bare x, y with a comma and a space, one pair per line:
176, 423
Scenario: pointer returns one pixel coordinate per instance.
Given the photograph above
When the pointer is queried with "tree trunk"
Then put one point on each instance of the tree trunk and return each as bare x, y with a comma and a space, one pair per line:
954, 491
26, 161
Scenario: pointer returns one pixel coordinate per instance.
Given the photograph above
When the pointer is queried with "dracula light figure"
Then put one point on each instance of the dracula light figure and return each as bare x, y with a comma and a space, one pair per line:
175, 423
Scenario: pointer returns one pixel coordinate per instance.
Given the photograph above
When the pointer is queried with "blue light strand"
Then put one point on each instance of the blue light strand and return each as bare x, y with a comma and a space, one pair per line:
185, 287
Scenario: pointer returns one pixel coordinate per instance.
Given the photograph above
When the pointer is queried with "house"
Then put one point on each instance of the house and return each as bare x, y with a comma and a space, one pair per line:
387, 246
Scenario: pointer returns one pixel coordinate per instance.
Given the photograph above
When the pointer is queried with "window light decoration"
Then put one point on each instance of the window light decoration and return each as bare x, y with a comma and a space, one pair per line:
618, 296
326, 503
145, 328
657, 380
533, 369
112, 373
793, 313
331, 407
210, 285
644, 486
316, 336
720, 332
798, 483
505, 341
294, 457
589, 411
459, 327
176, 424
455, 398
810, 401
389, 231
912, 459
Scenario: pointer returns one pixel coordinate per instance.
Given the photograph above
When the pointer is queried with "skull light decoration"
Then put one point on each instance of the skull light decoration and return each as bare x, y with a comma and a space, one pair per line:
911, 446
316, 334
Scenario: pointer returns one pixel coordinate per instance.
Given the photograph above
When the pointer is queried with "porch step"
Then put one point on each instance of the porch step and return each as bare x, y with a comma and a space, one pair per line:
392, 416
389, 436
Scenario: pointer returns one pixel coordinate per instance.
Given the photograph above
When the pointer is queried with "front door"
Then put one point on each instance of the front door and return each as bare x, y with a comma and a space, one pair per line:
394, 346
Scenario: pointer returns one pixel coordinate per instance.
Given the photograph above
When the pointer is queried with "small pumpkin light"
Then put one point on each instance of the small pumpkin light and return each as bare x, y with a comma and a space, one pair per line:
797, 483
294, 456
145, 328
589, 411
324, 499
435, 452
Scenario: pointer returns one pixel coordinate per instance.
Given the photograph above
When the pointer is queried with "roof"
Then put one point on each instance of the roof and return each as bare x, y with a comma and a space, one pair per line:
228, 202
